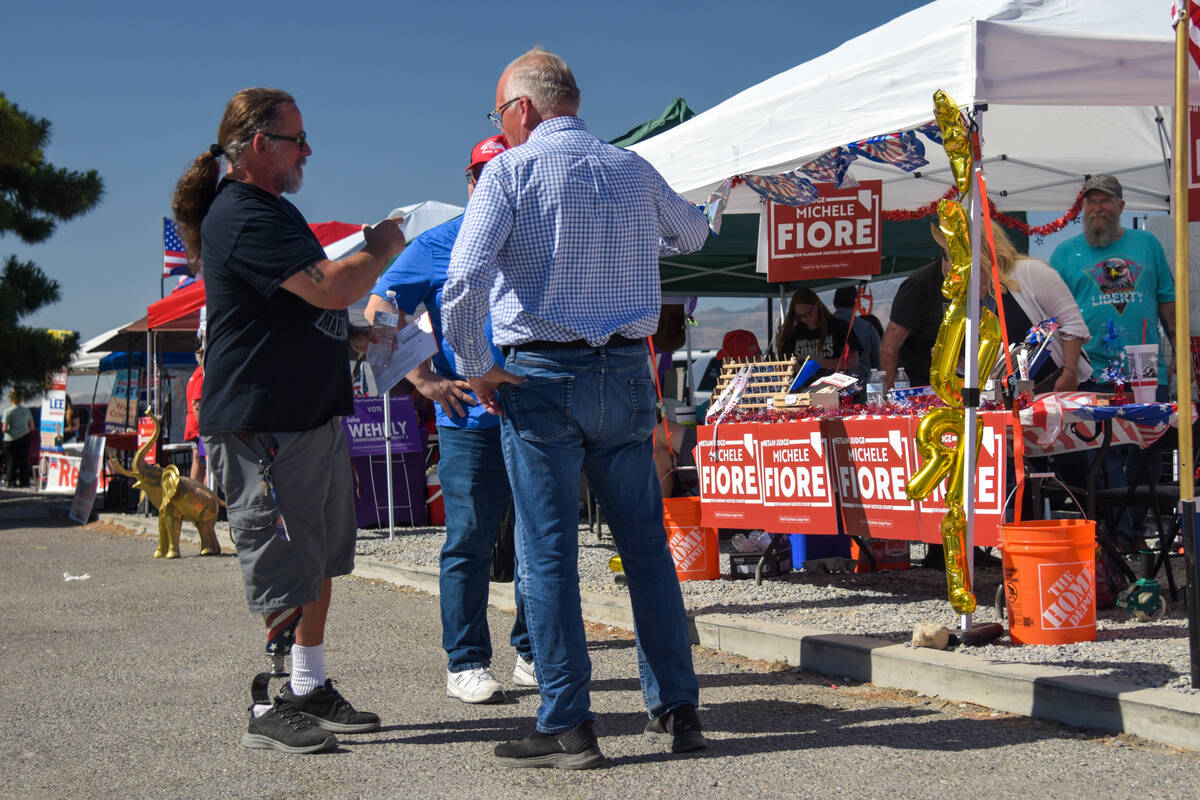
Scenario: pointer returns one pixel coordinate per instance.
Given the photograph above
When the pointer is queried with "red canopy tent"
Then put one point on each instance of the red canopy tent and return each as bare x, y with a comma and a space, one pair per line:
180, 310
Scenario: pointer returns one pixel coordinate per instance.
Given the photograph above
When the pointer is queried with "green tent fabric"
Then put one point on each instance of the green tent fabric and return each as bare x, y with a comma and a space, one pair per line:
677, 111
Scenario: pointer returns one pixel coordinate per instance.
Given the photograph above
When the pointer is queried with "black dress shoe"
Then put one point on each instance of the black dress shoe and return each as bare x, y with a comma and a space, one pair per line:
680, 727
573, 749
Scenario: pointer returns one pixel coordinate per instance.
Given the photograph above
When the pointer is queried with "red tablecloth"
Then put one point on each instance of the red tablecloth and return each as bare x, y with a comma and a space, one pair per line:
797, 477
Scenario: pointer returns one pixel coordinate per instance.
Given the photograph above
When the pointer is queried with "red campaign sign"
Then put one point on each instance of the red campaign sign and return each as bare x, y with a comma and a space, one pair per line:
873, 459
837, 235
772, 477
729, 487
988, 499
796, 478
145, 430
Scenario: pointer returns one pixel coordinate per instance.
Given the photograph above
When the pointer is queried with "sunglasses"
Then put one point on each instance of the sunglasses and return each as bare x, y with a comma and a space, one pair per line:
301, 139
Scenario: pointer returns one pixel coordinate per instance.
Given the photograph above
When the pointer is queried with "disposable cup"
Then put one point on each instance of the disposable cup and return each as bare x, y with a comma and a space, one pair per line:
1143, 371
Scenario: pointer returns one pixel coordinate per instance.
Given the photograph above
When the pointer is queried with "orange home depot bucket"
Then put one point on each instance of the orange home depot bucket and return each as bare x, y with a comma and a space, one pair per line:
693, 547
1050, 580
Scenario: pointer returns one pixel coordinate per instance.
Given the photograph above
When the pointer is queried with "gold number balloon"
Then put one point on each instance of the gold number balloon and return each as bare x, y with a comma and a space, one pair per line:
939, 460
955, 138
936, 457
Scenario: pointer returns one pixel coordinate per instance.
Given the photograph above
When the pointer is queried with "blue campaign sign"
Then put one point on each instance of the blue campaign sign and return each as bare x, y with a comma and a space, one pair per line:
365, 429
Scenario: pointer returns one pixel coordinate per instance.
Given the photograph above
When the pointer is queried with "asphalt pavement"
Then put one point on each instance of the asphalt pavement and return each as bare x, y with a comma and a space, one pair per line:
127, 676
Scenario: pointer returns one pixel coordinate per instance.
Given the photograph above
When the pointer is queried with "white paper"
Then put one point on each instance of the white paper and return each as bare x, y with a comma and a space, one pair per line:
414, 344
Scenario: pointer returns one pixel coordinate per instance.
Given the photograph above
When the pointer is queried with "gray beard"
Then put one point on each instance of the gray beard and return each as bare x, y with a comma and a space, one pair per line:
289, 182
1103, 237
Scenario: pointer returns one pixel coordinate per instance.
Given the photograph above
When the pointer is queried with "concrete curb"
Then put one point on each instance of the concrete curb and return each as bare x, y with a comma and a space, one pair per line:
1040, 692
1085, 701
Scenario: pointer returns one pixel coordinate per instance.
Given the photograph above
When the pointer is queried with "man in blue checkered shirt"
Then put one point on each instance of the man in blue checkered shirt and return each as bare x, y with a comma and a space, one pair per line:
562, 236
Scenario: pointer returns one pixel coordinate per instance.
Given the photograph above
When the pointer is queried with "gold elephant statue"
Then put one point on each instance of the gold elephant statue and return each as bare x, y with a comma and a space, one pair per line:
177, 498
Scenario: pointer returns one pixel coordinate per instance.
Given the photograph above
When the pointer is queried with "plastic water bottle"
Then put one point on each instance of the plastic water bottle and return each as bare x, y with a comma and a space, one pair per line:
387, 319
760, 541
875, 388
901, 380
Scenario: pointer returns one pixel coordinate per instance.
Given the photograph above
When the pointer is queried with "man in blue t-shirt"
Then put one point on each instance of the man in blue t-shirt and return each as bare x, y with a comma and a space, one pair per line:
1121, 277
471, 467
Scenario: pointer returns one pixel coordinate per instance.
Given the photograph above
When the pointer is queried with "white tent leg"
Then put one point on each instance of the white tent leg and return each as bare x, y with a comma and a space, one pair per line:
387, 445
971, 377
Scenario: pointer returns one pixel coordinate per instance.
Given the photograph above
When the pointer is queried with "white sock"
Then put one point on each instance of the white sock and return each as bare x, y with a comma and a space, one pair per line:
260, 709
308, 668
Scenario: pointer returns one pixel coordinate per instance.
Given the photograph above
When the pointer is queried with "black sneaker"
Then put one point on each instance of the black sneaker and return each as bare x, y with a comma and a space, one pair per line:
680, 727
285, 728
573, 749
327, 709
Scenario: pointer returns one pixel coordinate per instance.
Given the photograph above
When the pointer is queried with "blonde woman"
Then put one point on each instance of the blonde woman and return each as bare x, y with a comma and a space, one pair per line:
1032, 291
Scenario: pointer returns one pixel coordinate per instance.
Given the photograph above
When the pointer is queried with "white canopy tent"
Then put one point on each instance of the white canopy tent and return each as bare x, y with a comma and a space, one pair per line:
85, 362
1072, 87
1060, 89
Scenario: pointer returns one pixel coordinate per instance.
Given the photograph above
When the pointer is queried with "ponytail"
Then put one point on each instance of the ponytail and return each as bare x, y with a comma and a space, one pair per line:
193, 195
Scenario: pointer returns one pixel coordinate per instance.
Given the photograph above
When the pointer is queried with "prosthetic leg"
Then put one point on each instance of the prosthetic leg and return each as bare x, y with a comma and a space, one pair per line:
281, 635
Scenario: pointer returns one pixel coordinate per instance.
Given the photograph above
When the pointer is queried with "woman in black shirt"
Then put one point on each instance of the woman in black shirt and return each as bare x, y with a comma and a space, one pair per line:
810, 331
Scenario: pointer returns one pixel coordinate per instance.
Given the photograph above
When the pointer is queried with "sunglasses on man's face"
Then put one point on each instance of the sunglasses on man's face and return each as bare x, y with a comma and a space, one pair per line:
300, 139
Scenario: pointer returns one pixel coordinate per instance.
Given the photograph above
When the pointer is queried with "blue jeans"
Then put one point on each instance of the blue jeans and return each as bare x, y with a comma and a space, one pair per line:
591, 410
476, 494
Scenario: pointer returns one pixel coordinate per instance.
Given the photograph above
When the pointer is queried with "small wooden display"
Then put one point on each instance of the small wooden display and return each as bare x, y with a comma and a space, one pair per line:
823, 397
767, 379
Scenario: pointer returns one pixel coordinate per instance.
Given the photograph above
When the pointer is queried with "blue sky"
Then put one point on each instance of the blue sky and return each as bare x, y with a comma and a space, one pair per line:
393, 96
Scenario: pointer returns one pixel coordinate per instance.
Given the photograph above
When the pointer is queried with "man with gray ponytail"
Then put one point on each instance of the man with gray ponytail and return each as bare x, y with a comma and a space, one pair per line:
276, 382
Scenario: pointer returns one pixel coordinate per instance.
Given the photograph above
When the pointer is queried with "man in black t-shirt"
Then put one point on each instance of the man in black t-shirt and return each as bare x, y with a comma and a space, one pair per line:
913, 326
276, 381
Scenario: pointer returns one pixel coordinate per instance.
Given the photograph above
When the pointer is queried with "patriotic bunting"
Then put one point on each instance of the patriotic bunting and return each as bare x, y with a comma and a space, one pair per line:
788, 189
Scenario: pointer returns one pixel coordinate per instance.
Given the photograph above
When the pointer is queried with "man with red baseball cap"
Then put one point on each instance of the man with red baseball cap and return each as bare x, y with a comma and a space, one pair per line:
471, 467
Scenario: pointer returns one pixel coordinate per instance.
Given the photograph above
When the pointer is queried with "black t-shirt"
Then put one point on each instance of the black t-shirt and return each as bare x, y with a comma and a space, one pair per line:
1018, 324
273, 362
810, 344
919, 307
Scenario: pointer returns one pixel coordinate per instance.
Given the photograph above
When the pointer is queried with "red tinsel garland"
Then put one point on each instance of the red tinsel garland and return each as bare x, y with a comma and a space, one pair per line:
928, 210
1054, 226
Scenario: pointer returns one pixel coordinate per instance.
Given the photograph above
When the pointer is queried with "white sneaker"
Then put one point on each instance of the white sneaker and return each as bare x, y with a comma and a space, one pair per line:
524, 673
474, 686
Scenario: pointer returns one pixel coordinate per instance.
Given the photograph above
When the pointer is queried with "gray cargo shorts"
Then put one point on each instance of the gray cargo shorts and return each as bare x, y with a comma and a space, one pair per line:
314, 489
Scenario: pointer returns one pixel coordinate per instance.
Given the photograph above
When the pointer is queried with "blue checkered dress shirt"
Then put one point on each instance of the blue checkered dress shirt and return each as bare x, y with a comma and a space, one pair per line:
563, 236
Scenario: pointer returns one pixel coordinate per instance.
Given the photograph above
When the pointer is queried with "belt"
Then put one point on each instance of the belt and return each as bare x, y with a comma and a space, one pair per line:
616, 340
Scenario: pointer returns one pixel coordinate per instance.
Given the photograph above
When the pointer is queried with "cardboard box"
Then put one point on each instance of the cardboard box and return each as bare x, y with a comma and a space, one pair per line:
828, 397
742, 565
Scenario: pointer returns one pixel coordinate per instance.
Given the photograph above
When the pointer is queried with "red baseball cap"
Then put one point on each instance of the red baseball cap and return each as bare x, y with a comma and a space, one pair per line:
739, 343
486, 150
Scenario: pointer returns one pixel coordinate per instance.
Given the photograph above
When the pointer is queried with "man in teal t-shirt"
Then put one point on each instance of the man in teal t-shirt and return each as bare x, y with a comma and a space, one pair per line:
1117, 275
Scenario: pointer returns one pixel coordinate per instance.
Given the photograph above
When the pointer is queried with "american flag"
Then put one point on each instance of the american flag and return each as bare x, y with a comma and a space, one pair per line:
174, 254
1193, 17
903, 150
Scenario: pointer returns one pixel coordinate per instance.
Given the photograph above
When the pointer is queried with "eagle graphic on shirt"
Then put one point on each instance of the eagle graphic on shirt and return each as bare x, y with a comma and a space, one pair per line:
1117, 278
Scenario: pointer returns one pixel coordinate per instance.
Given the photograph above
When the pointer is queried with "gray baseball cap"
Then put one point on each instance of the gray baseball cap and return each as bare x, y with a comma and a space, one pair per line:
1105, 183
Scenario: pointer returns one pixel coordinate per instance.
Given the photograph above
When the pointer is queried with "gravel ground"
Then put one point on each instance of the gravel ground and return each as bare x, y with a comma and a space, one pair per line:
884, 605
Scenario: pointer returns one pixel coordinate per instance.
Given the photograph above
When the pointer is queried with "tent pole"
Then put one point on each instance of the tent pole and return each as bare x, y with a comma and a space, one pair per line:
687, 373
387, 448
970, 399
770, 320
1183, 328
